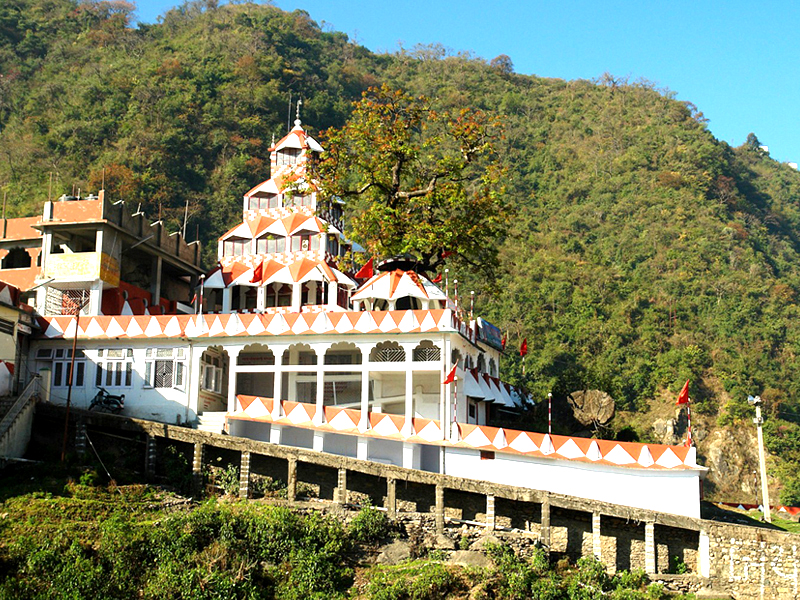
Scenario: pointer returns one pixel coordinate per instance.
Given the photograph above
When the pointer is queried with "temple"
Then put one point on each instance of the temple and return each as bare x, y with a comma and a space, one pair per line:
283, 343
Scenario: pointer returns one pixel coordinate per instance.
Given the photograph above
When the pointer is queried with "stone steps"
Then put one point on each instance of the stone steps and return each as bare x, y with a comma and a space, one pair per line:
213, 422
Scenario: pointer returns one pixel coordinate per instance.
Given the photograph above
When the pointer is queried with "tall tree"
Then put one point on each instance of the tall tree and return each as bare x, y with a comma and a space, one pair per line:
418, 180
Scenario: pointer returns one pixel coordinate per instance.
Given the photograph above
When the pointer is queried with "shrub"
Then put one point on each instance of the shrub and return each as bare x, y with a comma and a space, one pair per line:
370, 525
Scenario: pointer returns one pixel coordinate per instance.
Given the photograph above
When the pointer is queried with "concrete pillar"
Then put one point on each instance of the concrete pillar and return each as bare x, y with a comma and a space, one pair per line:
341, 486
408, 427
318, 443
408, 455
150, 456
650, 547
233, 355
596, 541
45, 383
194, 377
319, 412
545, 536
439, 509
291, 480
362, 448
363, 420
333, 293
261, 298
275, 434
155, 290
391, 497
297, 297
227, 298
490, 514
197, 468
244, 476
704, 554
277, 409
95, 297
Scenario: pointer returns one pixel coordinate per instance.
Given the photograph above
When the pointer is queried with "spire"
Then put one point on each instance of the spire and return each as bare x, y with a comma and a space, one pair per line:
297, 121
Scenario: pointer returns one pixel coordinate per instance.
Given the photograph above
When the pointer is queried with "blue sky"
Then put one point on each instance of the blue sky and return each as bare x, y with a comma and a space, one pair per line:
737, 61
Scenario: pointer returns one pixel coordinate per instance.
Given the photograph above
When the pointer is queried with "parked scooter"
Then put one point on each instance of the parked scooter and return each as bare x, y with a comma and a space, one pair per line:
110, 402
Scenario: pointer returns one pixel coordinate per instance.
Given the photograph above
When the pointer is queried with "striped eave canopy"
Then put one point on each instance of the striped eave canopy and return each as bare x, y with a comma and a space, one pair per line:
391, 285
263, 271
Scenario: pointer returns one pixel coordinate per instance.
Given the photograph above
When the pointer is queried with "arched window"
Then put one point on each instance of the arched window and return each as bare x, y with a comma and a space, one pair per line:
408, 303
455, 357
427, 351
481, 363
387, 352
492, 368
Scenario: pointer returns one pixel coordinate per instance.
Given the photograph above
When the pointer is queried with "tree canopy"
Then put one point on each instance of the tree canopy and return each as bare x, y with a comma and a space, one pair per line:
418, 180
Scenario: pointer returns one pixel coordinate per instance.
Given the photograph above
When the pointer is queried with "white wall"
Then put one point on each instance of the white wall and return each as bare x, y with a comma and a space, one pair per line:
671, 491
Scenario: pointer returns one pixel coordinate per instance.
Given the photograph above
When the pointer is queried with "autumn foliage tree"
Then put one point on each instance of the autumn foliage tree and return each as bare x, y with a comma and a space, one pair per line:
417, 180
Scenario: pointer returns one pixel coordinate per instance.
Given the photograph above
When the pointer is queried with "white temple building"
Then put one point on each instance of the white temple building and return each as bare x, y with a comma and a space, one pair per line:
286, 346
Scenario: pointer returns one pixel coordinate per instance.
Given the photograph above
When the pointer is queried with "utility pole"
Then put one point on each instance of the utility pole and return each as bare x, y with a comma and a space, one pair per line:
756, 401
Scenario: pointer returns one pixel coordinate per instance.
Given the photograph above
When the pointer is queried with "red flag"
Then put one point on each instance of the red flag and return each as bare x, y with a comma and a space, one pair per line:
258, 273
523, 350
447, 253
437, 279
683, 397
366, 271
503, 343
451, 377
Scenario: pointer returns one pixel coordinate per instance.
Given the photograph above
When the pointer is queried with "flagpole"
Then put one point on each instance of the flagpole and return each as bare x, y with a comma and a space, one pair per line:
550, 413
689, 426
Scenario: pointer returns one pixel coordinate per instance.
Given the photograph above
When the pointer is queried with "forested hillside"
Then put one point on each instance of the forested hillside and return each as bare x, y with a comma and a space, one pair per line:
643, 251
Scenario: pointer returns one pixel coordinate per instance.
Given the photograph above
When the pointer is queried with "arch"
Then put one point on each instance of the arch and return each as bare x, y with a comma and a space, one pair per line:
299, 354
256, 354
387, 352
481, 363
17, 258
214, 369
492, 367
427, 351
468, 362
455, 357
343, 353
408, 303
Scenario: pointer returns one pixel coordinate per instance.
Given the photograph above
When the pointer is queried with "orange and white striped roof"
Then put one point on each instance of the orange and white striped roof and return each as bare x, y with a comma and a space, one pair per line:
480, 437
282, 221
390, 285
227, 325
274, 268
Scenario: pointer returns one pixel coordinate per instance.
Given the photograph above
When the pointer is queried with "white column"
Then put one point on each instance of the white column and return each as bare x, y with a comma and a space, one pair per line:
408, 427
319, 413
446, 389
261, 298
275, 434
409, 455
276, 287
195, 375
297, 296
227, 296
319, 441
233, 354
95, 297
363, 421
333, 293
277, 411
313, 290
362, 450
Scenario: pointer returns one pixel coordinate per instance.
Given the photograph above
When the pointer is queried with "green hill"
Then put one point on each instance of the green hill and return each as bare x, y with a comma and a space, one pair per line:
644, 252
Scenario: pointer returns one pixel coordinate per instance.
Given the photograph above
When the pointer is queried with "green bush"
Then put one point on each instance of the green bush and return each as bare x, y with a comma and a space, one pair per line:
370, 525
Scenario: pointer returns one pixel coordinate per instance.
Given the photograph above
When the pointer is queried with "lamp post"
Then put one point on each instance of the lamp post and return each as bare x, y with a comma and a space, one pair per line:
756, 401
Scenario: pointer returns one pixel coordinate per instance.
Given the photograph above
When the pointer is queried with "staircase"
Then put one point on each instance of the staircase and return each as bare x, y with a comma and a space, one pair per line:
17, 420
213, 422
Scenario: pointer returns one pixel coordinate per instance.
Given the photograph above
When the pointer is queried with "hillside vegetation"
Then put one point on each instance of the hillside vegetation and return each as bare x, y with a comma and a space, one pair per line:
643, 251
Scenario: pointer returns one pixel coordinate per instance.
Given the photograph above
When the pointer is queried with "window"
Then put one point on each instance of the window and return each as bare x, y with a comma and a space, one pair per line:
61, 359
165, 368
114, 367
305, 242
17, 258
269, 201
287, 156
212, 373
236, 247
333, 245
270, 245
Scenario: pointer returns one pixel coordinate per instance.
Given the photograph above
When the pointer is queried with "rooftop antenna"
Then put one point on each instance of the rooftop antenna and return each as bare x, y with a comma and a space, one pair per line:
50, 188
185, 218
